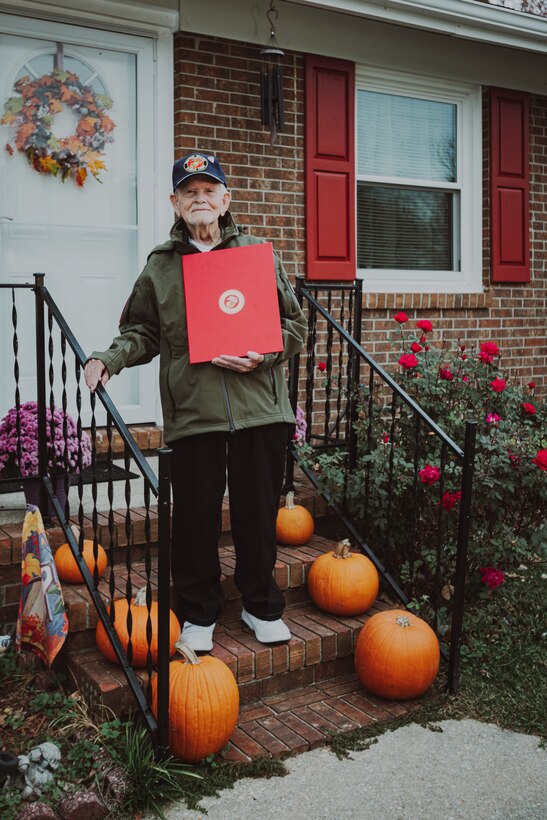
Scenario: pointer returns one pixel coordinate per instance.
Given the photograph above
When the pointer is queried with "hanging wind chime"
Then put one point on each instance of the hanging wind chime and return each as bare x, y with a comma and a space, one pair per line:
271, 81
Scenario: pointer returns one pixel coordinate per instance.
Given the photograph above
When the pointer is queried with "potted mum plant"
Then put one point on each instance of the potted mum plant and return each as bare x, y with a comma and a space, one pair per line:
19, 448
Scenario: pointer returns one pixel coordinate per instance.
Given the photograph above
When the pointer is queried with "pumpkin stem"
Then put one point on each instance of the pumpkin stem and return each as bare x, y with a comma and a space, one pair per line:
402, 620
140, 597
343, 549
289, 501
188, 653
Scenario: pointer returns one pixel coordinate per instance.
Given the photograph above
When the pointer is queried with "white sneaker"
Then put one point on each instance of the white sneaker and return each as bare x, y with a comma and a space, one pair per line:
198, 638
266, 631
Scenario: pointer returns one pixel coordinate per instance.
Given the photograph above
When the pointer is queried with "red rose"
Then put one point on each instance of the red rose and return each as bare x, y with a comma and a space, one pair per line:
401, 317
531, 385
322, 366
450, 500
385, 438
415, 347
541, 459
464, 357
528, 408
426, 348
493, 577
462, 348
490, 348
498, 385
445, 374
514, 458
429, 474
408, 360
425, 325
488, 351
422, 340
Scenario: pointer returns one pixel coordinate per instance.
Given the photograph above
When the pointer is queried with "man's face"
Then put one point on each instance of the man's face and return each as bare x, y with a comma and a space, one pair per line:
200, 201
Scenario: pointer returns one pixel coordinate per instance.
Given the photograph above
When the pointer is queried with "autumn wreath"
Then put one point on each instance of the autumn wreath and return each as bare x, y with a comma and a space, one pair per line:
32, 113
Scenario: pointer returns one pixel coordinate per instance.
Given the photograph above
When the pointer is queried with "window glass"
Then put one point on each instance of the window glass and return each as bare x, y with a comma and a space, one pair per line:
405, 228
406, 137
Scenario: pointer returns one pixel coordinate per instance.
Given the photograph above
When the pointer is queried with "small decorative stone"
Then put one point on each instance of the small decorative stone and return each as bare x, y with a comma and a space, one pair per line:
82, 806
36, 811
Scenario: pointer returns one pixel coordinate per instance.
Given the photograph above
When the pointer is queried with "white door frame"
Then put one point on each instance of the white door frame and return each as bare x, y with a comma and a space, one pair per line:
157, 126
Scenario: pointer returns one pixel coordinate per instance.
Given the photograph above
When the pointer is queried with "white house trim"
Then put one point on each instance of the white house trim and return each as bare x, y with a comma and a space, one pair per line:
112, 15
460, 18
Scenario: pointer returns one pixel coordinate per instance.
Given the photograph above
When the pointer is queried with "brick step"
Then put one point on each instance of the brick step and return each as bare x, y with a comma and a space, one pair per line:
11, 541
290, 573
11, 534
305, 718
321, 648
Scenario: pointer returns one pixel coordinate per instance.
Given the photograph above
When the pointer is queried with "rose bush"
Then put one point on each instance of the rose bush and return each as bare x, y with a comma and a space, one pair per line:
405, 487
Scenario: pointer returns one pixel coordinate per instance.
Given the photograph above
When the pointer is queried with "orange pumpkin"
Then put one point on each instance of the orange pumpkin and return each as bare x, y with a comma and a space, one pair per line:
139, 644
294, 523
67, 568
203, 705
397, 655
343, 582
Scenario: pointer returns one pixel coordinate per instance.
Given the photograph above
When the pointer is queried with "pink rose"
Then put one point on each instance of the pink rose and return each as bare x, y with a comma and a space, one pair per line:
429, 474
408, 361
498, 385
492, 418
401, 317
541, 459
425, 325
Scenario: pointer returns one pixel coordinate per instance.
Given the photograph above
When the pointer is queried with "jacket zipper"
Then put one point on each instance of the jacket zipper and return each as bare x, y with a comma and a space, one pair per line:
169, 381
228, 405
274, 388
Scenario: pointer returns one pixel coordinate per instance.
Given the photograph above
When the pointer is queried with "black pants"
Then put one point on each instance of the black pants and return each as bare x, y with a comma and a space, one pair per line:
255, 459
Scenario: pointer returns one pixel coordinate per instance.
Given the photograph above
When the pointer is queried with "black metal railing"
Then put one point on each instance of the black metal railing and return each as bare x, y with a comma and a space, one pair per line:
68, 455
365, 442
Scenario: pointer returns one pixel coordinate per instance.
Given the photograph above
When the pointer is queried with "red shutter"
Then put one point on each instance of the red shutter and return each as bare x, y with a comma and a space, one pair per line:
510, 186
330, 169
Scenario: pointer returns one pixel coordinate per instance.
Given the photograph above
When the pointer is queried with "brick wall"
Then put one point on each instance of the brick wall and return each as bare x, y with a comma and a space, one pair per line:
217, 108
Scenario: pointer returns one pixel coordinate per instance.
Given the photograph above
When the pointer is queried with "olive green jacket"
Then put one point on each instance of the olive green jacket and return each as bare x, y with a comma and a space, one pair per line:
200, 398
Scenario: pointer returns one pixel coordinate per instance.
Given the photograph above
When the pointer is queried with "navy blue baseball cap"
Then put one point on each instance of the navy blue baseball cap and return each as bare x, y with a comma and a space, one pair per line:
197, 164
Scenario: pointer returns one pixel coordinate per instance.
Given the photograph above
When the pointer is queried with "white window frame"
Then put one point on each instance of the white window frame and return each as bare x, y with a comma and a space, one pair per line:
468, 101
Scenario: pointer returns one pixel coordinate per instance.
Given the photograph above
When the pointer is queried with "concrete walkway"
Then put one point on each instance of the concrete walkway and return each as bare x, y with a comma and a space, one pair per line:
470, 770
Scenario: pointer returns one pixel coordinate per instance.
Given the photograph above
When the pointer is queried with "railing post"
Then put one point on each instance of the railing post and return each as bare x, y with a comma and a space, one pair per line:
294, 375
461, 556
354, 374
41, 389
164, 586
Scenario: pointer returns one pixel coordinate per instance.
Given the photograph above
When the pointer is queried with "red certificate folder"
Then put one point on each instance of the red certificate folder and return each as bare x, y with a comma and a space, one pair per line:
231, 302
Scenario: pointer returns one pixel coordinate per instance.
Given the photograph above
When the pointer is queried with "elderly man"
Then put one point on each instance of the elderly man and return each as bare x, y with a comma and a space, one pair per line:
231, 413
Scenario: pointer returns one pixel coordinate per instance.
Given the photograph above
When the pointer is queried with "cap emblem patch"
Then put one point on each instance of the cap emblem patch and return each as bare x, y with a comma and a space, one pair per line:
195, 163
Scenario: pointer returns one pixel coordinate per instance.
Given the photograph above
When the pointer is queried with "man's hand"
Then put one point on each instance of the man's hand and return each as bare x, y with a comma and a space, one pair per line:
242, 364
95, 372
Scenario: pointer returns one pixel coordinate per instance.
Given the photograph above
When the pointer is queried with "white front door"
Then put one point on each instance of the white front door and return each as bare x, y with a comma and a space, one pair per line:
90, 241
